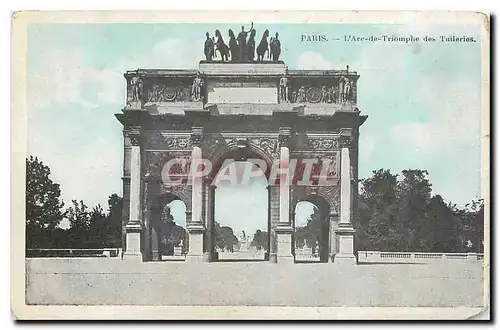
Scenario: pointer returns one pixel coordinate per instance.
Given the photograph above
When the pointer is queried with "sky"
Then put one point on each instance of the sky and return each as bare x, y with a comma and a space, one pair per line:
423, 101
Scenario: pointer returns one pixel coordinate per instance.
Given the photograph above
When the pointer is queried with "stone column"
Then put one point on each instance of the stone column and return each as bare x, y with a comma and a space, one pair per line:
134, 227
284, 230
146, 218
196, 227
208, 247
215, 254
345, 231
333, 244
273, 219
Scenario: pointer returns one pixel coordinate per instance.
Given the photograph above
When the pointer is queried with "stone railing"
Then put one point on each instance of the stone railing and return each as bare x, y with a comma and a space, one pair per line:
417, 257
73, 253
242, 255
306, 253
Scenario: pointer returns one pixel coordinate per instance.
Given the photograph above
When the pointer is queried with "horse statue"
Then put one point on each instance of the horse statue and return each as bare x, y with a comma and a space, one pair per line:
263, 47
221, 46
250, 51
275, 48
233, 46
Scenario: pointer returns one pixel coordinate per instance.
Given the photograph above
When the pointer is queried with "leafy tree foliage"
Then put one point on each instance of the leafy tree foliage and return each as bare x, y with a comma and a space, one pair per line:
89, 228
43, 204
224, 237
399, 213
260, 240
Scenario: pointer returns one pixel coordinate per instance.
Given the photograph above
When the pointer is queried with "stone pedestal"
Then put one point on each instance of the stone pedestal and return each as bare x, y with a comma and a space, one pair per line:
133, 241
134, 105
195, 232
207, 256
345, 237
284, 240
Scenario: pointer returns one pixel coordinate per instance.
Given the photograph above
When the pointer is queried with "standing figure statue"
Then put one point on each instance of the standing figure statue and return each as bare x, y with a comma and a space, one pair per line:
324, 94
341, 89
250, 53
221, 46
301, 95
233, 46
242, 42
263, 47
284, 88
196, 89
347, 90
333, 94
136, 83
209, 48
275, 48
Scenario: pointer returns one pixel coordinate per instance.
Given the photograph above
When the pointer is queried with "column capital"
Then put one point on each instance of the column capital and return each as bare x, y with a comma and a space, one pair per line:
284, 136
197, 136
345, 142
134, 134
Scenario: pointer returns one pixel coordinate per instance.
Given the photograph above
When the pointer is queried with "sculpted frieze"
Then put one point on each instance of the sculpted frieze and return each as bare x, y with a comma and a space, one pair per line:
172, 142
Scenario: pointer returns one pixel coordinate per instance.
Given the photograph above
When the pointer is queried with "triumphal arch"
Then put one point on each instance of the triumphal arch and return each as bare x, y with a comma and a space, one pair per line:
239, 109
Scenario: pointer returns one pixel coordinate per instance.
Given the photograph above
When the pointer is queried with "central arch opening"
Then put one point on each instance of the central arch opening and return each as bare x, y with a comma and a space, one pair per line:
241, 222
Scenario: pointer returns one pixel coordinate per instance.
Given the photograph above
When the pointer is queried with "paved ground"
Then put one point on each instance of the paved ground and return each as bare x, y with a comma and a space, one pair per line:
116, 282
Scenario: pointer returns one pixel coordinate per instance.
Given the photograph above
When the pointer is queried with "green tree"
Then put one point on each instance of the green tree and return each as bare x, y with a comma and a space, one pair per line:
414, 192
78, 216
260, 240
114, 221
43, 203
378, 213
441, 227
471, 226
400, 214
224, 237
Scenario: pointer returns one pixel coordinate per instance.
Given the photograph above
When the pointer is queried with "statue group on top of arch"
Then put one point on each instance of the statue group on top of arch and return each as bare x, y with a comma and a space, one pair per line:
241, 48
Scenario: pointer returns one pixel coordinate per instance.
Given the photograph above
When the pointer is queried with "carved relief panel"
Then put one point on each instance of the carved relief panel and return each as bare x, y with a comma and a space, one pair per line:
334, 90
173, 89
143, 89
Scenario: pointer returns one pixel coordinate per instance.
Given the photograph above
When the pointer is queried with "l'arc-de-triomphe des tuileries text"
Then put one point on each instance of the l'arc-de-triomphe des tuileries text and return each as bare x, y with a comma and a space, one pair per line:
241, 110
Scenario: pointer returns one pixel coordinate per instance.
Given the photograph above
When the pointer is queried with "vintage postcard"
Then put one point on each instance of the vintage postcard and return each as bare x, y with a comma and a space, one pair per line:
250, 165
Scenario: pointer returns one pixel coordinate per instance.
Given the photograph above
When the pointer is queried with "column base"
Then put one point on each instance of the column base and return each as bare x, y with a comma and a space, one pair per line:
195, 251
155, 255
195, 258
284, 242
133, 240
345, 259
273, 257
207, 257
345, 235
132, 256
286, 259
215, 256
